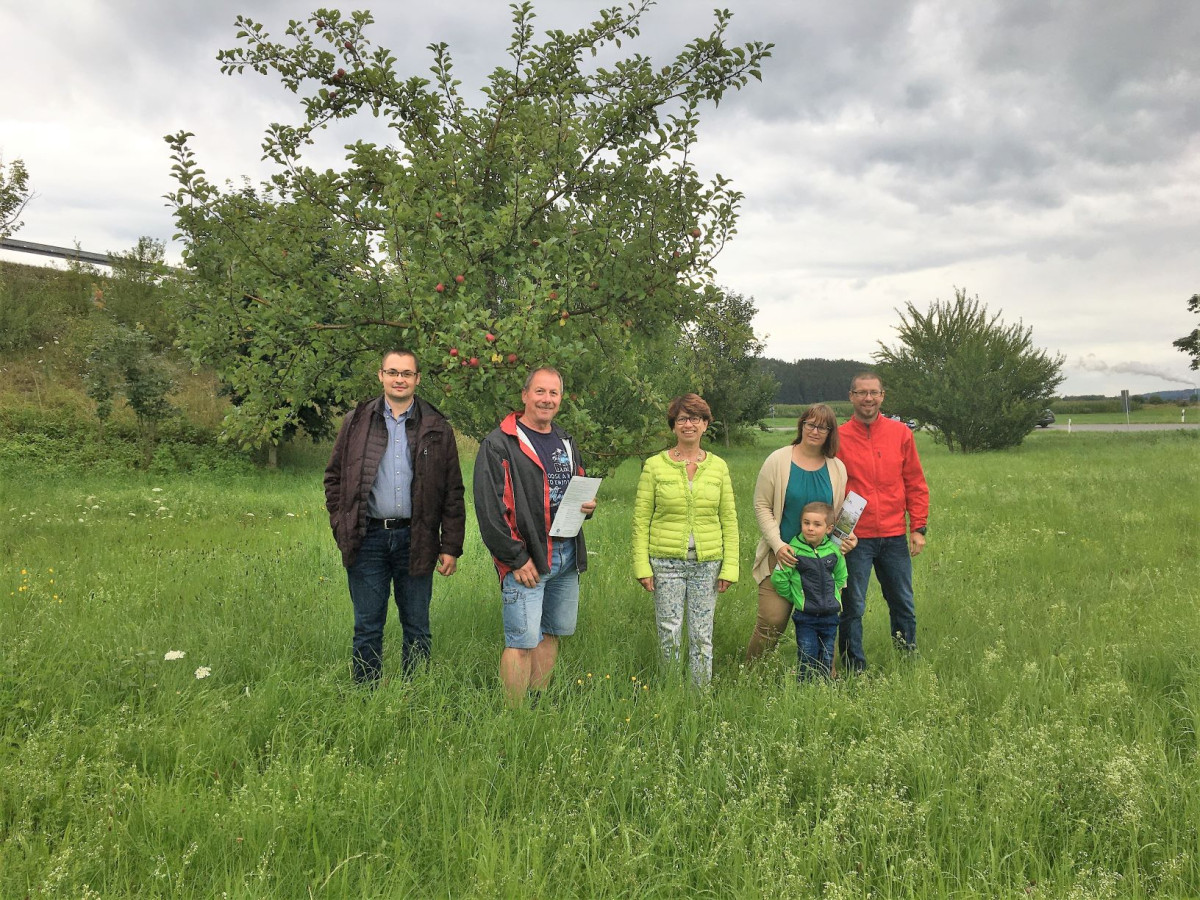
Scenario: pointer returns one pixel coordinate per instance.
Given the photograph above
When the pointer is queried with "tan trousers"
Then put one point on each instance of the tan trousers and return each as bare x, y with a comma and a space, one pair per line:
771, 621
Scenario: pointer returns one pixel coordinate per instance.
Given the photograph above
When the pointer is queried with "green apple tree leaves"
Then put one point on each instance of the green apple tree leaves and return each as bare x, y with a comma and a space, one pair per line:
15, 195
1190, 343
560, 220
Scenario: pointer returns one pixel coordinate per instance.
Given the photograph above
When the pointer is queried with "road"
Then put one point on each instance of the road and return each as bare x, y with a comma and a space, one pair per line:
1120, 426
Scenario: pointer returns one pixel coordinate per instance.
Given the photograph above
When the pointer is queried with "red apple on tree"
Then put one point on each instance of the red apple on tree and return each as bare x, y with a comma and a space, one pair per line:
489, 337
459, 279
437, 215
695, 232
440, 287
554, 295
512, 358
454, 351
474, 362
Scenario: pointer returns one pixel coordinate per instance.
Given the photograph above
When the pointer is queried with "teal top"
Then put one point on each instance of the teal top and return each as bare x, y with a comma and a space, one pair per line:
803, 488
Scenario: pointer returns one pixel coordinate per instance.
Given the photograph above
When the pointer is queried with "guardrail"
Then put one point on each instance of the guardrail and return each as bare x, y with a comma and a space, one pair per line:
100, 259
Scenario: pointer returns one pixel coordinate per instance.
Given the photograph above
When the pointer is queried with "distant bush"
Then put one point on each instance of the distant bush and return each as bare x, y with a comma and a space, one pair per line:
38, 304
58, 440
1099, 405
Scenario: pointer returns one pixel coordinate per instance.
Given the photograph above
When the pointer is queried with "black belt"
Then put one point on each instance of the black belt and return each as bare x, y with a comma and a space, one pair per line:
389, 524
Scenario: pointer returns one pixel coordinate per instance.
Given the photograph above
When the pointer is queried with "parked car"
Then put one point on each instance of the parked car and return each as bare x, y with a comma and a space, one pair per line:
911, 423
1045, 419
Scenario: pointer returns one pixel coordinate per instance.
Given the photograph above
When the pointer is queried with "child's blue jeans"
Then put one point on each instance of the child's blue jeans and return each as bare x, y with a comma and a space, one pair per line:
816, 640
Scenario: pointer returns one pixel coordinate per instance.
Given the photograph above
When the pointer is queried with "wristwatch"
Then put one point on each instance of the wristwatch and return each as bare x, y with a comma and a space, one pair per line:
921, 530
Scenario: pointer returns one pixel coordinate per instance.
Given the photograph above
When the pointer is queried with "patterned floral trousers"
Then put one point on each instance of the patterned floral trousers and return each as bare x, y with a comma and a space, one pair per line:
685, 588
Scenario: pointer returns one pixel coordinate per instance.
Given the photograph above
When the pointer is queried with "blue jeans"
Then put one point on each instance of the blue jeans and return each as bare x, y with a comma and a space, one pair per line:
549, 607
890, 558
815, 639
381, 562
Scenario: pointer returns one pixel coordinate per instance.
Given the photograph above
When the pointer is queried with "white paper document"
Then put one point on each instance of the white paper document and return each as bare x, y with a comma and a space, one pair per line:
569, 518
852, 508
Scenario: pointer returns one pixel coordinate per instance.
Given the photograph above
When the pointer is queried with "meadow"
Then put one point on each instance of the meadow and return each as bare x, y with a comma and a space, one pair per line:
178, 720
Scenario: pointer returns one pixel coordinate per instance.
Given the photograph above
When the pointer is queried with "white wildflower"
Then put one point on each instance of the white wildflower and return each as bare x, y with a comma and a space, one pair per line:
174, 654
203, 672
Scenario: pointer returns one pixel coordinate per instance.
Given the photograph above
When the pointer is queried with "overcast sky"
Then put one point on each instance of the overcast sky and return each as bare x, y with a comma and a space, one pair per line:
1042, 154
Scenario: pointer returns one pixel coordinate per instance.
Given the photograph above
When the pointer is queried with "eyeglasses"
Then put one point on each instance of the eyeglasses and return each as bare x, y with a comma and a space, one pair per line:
408, 374
821, 429
688, 420
872, 394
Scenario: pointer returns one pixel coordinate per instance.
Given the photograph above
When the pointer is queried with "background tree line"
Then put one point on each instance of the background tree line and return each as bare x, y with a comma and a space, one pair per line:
812, 380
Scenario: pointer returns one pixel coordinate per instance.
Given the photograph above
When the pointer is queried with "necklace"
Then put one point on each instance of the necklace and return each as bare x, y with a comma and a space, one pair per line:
700, 454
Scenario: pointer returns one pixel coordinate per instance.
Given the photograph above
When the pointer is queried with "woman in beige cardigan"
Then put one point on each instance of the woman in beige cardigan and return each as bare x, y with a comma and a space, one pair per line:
792, 476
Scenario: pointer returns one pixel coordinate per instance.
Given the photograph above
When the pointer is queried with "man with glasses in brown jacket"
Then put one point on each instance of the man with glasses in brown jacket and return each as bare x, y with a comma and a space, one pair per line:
394, 491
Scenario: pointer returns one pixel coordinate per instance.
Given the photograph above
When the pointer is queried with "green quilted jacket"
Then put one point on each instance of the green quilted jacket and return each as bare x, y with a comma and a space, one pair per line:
665, 512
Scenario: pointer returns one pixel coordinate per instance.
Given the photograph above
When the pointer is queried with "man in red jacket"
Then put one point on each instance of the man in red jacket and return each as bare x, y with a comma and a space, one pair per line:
394, 492
881, 462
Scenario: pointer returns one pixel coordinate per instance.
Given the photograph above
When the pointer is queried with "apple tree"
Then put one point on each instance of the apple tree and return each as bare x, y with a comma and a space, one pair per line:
723, 357
558, 220
977, 383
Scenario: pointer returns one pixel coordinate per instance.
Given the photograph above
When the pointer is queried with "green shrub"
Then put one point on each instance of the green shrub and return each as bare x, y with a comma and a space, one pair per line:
37, 304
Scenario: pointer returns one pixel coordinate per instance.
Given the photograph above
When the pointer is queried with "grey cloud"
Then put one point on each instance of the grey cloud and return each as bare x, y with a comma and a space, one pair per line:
1092, 363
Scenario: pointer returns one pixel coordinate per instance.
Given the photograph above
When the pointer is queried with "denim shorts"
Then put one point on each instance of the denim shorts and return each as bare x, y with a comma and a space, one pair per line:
549, 607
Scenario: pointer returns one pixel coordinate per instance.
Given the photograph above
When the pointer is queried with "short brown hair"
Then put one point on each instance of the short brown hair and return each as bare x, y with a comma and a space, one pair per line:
399, 351
819, 506
820, 414
866, 376
688, 405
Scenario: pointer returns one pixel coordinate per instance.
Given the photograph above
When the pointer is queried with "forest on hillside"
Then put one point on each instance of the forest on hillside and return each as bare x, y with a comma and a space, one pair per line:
813, 380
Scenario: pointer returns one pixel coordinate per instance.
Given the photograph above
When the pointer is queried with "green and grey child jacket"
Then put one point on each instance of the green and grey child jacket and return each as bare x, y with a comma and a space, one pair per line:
815, 585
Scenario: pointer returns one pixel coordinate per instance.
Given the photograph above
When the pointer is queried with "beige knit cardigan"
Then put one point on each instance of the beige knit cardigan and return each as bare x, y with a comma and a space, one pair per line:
769, 492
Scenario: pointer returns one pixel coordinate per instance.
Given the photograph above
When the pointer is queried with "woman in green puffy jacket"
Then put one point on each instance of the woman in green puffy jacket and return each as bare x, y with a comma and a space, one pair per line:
685, 535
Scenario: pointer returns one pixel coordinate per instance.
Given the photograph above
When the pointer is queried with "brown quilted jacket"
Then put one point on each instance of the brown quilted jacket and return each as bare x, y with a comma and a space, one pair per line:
439, 515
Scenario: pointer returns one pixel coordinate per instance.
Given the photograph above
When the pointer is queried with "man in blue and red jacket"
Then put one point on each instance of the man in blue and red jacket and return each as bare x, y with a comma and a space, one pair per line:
521, 472
882, 466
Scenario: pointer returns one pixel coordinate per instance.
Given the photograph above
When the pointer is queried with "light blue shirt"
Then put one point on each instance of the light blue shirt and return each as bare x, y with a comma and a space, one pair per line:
391, 495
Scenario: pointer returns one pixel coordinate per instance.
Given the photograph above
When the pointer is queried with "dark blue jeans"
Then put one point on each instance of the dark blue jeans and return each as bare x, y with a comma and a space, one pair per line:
893, 567
381, 562
815, 639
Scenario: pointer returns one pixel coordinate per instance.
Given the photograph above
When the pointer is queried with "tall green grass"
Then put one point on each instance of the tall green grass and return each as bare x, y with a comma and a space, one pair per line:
1043, 744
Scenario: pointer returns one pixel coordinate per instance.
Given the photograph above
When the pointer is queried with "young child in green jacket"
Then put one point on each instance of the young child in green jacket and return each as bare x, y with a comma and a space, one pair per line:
814, 588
